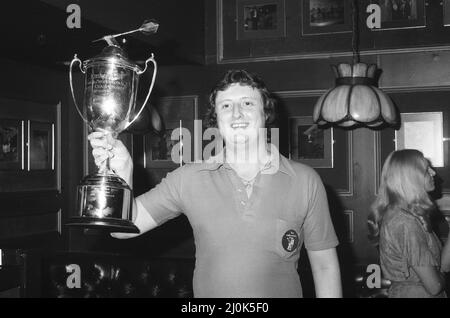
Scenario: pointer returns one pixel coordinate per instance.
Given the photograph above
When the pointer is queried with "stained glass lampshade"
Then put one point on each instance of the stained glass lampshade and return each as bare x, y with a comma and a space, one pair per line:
355, 100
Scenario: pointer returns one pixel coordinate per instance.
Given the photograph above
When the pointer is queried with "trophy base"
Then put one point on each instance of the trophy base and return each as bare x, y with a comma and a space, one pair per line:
111, 225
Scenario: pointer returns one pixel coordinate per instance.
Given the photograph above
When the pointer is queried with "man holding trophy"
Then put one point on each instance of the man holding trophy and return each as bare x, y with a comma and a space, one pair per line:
250, 216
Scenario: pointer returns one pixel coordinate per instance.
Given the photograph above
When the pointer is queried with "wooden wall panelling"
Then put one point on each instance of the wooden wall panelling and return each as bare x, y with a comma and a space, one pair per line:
421, 69
31, 195
349, 214
18, 226
37, 142
364, 158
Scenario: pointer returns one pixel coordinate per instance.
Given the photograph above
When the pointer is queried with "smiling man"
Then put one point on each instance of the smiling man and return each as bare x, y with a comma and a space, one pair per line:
250, 208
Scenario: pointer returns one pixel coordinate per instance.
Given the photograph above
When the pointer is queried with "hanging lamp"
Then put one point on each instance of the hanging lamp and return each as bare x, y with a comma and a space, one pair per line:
355, 100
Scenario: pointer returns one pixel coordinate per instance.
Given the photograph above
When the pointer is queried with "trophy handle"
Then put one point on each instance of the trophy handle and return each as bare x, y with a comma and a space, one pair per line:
151, 59
75, 60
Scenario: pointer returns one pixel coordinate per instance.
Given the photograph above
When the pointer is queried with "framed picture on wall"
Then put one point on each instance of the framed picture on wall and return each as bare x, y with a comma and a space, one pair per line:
41, 146
401, 14
260, 19
446, 12
326, 16
310, 144
424, 132
11, 139
30, 153
161, 149
165, 148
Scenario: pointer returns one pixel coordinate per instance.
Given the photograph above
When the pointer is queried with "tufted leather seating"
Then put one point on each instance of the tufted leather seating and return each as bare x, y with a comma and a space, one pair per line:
113, 276
110, 276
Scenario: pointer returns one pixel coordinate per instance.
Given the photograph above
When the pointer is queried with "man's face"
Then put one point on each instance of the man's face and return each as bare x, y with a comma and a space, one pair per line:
240, 113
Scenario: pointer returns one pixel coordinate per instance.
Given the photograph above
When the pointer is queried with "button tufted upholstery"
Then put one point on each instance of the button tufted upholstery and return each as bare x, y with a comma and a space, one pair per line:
112, 276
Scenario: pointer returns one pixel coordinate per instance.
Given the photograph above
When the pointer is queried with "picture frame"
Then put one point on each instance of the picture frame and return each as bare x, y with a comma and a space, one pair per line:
446, 13
401, 14
260, 19
161, 150
12, 144
41, 147
325, 17
422, 131
175, 112
310, 144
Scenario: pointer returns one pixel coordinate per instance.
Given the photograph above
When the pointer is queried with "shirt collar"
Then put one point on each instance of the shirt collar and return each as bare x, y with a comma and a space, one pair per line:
277, 162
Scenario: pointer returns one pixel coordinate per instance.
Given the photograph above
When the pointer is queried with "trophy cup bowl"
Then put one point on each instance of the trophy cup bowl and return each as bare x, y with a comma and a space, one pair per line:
111, 82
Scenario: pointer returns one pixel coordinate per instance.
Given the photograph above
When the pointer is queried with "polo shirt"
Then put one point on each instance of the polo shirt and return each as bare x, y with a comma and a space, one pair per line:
246, 246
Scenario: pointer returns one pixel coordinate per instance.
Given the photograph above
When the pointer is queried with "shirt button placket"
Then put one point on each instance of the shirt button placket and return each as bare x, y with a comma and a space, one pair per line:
243, 199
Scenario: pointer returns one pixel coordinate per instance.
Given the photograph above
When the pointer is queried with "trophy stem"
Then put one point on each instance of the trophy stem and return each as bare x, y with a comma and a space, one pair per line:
105, 168
108, 165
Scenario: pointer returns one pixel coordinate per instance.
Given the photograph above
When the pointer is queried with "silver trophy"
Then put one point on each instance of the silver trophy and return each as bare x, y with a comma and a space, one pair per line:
111, 83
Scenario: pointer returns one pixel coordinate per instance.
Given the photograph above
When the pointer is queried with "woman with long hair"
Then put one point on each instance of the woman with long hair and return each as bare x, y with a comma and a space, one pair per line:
410, 252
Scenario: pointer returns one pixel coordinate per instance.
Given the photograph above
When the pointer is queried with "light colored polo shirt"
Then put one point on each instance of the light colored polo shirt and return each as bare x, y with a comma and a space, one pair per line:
246, 246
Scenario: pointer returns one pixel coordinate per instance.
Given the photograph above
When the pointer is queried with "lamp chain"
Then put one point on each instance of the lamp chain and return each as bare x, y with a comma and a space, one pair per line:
355, 32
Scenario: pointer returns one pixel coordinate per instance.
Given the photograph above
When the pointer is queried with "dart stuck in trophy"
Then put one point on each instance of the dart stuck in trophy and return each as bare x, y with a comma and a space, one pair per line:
110, 90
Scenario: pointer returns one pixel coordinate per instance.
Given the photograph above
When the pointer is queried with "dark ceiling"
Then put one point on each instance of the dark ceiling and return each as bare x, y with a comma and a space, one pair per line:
35, 31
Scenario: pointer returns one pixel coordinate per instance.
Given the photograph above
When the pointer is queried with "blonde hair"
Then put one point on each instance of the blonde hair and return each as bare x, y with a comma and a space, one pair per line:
403, 186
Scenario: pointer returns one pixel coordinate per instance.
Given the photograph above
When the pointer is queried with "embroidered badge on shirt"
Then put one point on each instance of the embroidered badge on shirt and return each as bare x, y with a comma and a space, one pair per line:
290, 240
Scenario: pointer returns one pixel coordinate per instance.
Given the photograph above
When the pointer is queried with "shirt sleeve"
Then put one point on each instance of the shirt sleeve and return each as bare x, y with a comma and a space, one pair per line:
163, 202
417, 250
319, 233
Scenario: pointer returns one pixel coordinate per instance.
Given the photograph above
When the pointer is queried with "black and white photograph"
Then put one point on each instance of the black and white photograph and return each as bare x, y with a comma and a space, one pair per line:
162, 149
197, 154
309, 143
401, 13
259, 19
398, 10
325, 17
423, 131
326, 12
41, 146
10, 139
